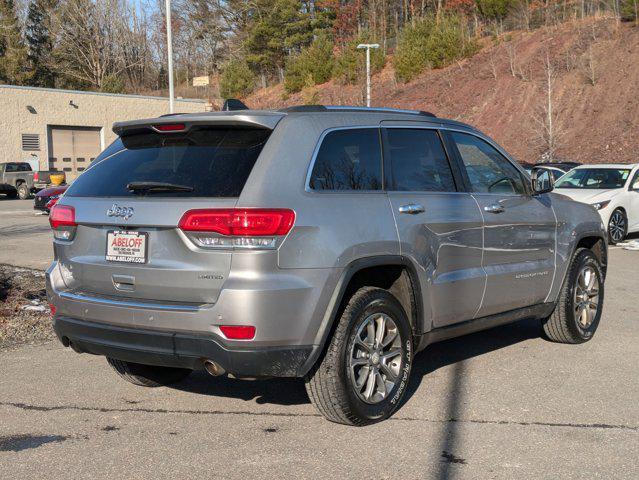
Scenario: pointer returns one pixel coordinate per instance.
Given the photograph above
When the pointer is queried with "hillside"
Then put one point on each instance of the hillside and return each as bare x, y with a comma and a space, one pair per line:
503, 91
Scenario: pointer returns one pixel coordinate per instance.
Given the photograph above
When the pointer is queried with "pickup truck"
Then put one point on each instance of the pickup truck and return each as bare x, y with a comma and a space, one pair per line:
17, 179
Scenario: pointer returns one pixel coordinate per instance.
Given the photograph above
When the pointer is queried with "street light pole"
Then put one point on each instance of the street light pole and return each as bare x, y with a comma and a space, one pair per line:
368, 47
169, 48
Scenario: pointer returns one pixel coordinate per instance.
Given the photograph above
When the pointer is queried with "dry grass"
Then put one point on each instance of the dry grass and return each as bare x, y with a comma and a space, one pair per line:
24, 313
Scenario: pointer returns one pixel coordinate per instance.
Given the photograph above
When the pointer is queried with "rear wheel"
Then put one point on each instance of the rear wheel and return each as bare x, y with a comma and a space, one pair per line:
364, 373
617, 226
148, 375
23, 191
578, 310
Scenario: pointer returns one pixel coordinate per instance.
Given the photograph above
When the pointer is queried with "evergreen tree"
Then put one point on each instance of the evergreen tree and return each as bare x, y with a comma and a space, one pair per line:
13, 53
40, 42
237, 80
278, 29
630, 11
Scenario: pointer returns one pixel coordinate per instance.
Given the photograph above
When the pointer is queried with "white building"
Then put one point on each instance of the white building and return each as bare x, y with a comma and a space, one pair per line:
65, 129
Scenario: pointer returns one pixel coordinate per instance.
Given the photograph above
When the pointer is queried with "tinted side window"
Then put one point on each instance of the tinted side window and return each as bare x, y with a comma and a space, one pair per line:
417, 161
488, 170
348, 160
11, 167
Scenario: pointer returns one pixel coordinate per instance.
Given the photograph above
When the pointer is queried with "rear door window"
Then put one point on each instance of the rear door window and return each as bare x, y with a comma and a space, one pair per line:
348, 159
417, 161
212, 161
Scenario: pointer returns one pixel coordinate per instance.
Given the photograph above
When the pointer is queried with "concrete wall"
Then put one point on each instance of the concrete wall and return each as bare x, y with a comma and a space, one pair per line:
52, 107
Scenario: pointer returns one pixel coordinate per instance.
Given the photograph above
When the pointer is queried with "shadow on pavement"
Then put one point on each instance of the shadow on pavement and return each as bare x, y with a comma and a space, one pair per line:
278, 391
285, 391
457, 350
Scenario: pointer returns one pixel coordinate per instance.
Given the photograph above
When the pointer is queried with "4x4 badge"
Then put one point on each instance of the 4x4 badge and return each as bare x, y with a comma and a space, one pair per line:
117, 211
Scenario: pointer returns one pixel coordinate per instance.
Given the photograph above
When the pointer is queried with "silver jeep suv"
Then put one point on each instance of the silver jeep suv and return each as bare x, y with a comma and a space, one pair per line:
318, 242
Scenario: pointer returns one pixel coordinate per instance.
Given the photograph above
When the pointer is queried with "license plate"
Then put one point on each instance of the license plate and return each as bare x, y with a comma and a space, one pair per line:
126, 247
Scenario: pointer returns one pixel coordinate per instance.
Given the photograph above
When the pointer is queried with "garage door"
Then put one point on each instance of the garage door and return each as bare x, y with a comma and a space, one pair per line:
72, 149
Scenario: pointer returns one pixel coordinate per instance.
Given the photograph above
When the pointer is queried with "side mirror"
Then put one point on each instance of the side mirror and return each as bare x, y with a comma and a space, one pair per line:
635, 186
542, 180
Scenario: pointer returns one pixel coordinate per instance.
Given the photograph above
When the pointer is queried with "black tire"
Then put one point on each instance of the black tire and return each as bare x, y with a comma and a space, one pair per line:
330, 385
148, 375
23, 191
563, 326
617, 226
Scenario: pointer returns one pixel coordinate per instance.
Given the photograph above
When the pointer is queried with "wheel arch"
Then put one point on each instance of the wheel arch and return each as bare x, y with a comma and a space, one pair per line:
394, 273
597, 244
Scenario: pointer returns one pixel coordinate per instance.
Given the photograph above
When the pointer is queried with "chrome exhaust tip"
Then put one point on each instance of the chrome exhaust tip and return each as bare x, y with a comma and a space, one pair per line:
214, 369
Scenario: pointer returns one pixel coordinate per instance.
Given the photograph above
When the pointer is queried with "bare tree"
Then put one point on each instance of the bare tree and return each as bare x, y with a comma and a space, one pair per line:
588, 64
493, 63
549, 127
512, 58
98, 39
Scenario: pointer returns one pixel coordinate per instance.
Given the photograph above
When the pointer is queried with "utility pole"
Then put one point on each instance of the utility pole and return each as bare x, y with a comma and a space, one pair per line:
368, 47
169, 48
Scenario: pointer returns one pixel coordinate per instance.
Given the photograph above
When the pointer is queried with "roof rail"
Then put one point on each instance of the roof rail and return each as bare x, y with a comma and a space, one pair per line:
304, 108
346, 108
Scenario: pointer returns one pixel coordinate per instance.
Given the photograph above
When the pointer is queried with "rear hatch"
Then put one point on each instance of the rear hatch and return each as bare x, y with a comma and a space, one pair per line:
129, 202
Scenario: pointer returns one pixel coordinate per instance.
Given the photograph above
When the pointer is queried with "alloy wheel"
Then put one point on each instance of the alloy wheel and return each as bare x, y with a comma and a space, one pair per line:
586, 297
375, 360
617, 226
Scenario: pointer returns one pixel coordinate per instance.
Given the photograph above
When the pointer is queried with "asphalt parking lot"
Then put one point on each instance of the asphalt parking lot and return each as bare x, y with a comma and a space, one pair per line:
25, 237
503, 403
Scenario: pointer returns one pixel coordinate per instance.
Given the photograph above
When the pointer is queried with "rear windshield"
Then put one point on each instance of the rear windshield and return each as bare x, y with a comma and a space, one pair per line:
212, 161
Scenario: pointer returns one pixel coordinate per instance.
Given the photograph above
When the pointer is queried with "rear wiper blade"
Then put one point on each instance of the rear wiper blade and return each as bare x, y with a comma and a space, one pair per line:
148, 187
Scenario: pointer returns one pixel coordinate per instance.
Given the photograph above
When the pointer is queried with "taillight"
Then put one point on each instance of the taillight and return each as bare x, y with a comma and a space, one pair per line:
170, 127
238, 332
62, 221
52, 309
36, 177
237, 227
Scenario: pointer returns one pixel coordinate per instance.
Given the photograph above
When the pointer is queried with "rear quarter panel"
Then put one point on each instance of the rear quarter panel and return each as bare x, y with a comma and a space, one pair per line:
332, 229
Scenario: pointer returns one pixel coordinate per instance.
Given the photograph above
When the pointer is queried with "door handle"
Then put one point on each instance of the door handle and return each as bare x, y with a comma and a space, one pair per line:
494, 208
412, 209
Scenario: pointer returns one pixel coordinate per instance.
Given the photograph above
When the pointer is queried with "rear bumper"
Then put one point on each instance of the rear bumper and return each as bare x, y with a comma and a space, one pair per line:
182, 350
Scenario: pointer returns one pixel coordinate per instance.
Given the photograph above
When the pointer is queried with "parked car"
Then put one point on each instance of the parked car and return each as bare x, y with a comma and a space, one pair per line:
612, 189
556, 172
285, 244
45, 199
556, 168
17, 179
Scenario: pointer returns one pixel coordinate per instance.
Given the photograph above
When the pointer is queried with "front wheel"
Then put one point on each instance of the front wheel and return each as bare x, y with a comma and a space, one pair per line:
617, 227
364, 373
578, 310
148, 375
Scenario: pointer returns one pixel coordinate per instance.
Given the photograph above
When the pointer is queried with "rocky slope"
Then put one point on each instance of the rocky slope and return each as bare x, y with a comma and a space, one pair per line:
503, 91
